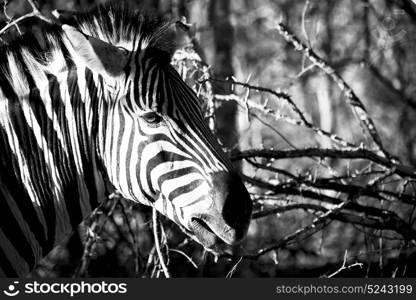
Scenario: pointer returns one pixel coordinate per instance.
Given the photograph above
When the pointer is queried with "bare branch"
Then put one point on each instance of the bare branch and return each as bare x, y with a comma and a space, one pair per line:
34, 5
186, 256
353, 153
94, 228
267, 112
368, 216
17, 21
279, 94
234, 268
308, 230
345, 266
157, 244
135, 245
353, 101
35, 13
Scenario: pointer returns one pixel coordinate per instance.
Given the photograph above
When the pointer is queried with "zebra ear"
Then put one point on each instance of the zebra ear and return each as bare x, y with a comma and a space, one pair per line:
97, 55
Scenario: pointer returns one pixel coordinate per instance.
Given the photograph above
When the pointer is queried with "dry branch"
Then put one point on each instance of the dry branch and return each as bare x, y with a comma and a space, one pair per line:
94, 227
317, 224
382, 218
351, 153
266, 111
35, 13
157, 244
353, 101
344, 266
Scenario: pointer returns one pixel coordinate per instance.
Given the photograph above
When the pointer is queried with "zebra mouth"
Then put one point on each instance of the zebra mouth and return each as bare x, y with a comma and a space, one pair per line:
204, 233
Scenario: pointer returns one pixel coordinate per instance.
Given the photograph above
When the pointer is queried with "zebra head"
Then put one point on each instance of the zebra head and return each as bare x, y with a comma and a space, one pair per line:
153, 141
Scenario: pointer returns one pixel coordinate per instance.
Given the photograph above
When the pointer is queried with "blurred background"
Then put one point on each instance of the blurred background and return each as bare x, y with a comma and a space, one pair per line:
370, 44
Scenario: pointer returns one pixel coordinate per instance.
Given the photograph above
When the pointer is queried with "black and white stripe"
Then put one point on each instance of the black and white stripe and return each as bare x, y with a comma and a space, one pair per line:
71, 118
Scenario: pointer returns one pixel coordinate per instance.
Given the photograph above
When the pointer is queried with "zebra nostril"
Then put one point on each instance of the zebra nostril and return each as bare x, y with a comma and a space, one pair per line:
232, 198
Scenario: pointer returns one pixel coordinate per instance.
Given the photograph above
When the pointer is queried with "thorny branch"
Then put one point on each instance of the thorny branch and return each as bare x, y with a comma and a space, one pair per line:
157, 244
262, 111
381, 177
354, 102
35, 13
266, 111
350, 153
345, 266
317, 224
94, 227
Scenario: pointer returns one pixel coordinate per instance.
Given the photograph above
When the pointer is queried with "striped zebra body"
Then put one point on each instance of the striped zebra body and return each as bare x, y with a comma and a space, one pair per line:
97, 101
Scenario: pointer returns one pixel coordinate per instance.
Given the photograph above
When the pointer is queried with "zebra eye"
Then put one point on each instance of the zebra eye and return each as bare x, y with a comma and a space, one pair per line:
152, 118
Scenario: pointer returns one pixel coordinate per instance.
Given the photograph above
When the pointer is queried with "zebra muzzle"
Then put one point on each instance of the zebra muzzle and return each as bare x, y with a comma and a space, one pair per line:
203, 233
213, 233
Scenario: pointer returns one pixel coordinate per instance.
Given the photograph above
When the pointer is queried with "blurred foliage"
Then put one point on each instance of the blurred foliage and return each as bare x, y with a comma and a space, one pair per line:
369, 43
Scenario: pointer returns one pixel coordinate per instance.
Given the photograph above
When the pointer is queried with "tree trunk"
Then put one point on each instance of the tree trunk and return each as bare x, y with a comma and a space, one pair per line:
223, 38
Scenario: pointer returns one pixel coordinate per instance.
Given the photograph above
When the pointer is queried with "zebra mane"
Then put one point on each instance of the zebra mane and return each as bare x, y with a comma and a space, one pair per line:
43, 51
119, 24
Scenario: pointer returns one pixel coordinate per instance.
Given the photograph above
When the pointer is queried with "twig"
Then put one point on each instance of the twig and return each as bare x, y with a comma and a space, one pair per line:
34, 6
149, 261
345, 266
351, 153
279, 94
93, 233
9, 18
157, 244
302, 233
270, 113
353, 101
234, 268
35, 13
304, 12
285, 208
17, 21
186, 256
5, 4
310, 229
369, 190
135, 245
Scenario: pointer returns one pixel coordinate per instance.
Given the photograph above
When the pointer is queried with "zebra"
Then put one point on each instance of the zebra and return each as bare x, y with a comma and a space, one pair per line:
92, 105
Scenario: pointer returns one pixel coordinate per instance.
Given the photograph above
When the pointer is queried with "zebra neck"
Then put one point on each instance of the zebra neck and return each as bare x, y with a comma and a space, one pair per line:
49, 178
